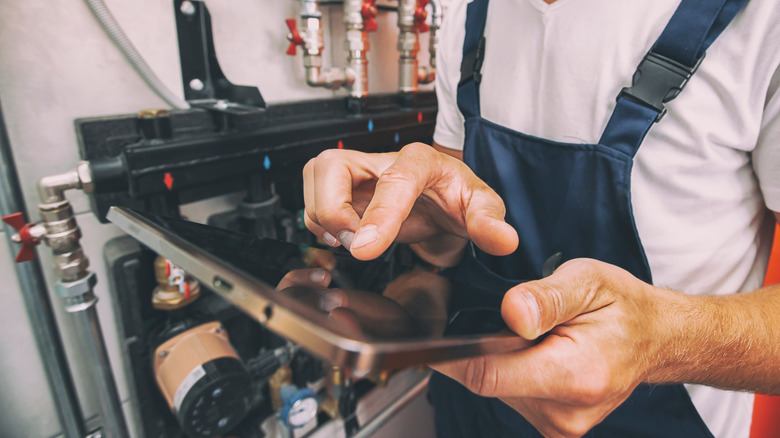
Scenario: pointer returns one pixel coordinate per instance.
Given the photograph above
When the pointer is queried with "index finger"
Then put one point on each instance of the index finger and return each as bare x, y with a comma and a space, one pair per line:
336, 175
396, 192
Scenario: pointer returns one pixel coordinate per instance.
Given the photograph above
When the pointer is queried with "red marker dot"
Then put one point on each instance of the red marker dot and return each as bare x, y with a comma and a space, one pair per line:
168, 180
340, 145
419, 118
186, 291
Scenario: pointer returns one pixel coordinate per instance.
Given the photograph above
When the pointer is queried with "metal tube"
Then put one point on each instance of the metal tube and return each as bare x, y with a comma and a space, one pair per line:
408, 45
355, 75
76, 285
38, 304
87, 325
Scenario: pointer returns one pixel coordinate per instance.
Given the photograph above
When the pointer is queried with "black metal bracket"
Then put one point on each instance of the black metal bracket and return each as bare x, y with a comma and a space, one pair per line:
205, 85
658, 80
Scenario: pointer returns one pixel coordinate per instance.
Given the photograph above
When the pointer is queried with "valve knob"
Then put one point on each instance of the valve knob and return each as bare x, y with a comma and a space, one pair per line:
420, 15
24, 236
294, 37
369, 12
300, 406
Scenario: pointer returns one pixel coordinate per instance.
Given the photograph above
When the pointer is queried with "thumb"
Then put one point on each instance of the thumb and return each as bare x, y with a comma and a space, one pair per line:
536, 307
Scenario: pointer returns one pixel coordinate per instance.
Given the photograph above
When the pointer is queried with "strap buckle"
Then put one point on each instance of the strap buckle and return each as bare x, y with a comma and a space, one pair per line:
471, 65
658, 80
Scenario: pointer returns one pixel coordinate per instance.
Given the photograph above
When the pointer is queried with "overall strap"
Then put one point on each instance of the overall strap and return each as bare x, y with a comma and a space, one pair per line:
666, 68
473, 54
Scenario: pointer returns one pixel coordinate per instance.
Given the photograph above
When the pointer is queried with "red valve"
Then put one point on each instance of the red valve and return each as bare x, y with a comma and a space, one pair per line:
420, 15
27, 252
294, 37
369, 15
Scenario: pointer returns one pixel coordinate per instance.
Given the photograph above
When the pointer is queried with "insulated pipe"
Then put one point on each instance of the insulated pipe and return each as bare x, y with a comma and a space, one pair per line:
38, 304
76, 287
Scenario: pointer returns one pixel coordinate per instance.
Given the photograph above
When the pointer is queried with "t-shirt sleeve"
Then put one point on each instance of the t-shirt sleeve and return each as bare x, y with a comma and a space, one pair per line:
766, 155
450, 130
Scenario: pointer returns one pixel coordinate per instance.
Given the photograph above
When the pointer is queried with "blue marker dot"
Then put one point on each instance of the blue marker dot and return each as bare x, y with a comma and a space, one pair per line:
370, 125
267, 163
397, 138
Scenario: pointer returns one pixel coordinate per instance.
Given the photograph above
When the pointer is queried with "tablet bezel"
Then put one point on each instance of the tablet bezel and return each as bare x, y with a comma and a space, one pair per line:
281, 315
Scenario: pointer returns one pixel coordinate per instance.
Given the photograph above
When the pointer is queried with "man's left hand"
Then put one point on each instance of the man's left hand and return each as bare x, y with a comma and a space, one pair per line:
600, 333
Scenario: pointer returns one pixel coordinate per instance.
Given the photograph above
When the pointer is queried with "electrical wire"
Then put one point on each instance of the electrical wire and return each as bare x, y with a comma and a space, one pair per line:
117, 35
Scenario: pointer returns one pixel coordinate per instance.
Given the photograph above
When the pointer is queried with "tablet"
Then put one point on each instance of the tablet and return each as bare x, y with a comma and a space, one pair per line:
385, 316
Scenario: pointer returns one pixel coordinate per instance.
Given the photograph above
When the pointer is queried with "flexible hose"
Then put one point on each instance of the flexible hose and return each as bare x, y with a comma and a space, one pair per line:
117, 35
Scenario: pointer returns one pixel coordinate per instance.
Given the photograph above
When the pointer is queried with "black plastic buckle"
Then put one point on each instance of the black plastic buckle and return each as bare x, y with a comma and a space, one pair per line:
471, 65
658, 80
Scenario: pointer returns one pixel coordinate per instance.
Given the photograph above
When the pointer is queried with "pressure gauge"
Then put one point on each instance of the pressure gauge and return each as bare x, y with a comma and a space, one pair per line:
300, 406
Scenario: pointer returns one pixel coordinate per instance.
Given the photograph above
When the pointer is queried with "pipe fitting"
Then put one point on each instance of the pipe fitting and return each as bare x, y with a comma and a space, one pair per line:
76, 288
51, 188
426, 75
71, 266
86, 181
355, 75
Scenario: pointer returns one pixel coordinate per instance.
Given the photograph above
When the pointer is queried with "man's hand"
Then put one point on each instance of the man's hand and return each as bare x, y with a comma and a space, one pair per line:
368, 201
603, 338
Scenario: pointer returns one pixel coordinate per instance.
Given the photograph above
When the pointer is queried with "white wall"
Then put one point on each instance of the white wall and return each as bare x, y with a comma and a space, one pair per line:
56, 65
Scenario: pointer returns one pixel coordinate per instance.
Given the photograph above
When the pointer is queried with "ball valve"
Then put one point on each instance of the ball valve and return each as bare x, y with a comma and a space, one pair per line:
420, 15
294, 37
369, 12
29, 235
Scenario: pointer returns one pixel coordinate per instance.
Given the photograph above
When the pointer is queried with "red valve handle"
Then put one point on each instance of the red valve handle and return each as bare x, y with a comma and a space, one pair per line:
294, 37
420, 14
27, 251
369, 12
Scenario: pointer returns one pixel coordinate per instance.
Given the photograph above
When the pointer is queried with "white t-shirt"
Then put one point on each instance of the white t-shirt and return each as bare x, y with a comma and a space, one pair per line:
703, 177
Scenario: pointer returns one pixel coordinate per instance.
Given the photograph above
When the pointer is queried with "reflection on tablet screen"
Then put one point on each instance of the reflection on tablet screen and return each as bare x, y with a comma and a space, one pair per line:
374, 300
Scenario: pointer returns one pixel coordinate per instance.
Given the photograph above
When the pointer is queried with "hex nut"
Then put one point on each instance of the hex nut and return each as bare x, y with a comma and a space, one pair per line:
57, 214
85, 176
76, 288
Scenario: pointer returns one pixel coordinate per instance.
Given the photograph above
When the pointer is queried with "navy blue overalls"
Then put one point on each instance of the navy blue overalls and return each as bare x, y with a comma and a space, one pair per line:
587, 213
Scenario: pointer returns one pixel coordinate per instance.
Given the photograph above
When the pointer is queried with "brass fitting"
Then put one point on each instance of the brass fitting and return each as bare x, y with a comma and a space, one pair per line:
175, 289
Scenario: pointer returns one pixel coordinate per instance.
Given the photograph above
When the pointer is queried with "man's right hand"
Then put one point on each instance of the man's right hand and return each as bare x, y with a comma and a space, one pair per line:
368, 201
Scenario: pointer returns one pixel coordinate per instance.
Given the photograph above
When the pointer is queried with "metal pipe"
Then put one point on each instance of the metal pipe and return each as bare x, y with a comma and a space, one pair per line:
84, 312
408, 45
427, 74
356, 45
355, 75
411, 22
76, 287
38, 305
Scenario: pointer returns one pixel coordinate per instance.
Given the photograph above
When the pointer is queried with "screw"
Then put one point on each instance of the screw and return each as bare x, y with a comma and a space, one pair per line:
221, 104
187, 8
197, 85
163, 354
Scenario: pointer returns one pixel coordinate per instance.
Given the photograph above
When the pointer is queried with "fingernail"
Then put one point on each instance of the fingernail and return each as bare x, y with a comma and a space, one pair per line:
317, 275
365, 236
329, 301
329, 239
533, 309
345, 237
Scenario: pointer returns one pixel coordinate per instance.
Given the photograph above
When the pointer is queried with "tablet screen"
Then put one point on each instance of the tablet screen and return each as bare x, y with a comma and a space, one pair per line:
379, 300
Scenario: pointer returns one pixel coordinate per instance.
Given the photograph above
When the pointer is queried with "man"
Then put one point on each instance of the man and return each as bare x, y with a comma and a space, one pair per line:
553, 167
